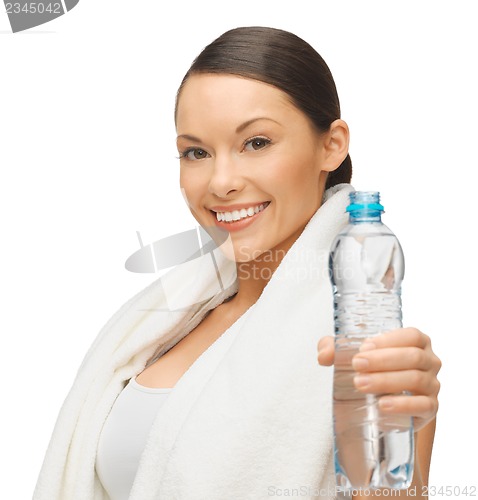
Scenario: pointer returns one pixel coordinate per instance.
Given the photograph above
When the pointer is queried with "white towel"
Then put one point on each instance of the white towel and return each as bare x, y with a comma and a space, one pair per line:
252, 423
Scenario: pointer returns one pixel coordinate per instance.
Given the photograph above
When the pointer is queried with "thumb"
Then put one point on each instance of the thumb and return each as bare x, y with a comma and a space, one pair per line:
326, 351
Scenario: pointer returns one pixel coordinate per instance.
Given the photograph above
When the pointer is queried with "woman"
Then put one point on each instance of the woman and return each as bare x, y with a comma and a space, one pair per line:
206, 385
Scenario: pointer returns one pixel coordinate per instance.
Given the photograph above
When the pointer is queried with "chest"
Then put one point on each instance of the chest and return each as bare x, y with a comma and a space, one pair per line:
171, 366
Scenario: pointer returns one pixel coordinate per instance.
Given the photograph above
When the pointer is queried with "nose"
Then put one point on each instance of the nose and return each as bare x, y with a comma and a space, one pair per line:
226, 178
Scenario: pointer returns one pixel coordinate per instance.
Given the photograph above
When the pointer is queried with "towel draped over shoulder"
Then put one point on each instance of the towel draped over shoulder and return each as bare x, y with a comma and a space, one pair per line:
253, 422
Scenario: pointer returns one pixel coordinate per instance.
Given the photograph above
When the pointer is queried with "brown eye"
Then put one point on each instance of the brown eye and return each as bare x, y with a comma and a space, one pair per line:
256, 143
199, 154
195, 154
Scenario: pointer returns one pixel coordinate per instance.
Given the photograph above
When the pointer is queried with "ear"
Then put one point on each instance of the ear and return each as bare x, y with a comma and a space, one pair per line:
336, 145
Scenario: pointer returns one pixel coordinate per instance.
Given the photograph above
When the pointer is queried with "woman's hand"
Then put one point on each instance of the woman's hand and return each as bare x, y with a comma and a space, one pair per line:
393, 362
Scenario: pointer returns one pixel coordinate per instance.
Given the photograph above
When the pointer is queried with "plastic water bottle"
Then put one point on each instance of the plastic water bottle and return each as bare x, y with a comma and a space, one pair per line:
372, 450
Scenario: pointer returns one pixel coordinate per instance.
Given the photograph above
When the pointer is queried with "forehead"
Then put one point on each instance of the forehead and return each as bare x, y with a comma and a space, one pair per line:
229, 98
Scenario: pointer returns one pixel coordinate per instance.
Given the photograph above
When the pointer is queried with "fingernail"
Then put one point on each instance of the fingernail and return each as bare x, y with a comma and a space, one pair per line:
385, 403
362, 381
320, 355
360, 363
367, 346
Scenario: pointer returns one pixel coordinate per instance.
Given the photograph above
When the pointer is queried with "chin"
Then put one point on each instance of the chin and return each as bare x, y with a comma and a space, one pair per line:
240, 253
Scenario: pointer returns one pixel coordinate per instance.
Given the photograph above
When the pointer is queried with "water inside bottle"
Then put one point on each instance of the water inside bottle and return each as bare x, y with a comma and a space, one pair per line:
372, 449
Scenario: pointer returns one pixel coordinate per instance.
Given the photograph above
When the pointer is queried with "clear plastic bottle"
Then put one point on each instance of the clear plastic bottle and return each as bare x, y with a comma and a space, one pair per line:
366, 267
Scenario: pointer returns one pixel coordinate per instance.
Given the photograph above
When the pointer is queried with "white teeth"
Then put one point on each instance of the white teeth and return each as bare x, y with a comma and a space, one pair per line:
236, 215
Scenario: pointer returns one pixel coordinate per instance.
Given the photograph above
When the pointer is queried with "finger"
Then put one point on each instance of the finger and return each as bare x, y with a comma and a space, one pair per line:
402, 337
326, 351
422, 407
393, 359
415, 381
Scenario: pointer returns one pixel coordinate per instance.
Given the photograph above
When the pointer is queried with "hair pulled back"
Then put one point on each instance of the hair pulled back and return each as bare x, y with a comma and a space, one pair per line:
285, 61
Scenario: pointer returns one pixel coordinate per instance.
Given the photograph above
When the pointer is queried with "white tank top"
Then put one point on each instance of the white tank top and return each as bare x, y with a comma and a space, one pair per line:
124, 437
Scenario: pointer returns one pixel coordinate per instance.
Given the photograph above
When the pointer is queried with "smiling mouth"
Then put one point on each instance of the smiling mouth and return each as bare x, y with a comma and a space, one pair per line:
243, 213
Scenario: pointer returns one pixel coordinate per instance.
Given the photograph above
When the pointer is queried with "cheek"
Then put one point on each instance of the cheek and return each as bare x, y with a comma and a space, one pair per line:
297, 192
190, 184
184, 178
292, 177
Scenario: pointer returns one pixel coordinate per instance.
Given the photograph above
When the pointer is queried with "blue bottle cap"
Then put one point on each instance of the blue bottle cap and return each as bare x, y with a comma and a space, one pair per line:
368, 201
365, 206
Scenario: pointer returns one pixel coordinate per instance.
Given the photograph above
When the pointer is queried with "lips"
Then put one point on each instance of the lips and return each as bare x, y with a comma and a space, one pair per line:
238, 216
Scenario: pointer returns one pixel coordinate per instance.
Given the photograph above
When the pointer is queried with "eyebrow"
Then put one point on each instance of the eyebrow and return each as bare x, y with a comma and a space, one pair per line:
246, 124
188, 137
239, 129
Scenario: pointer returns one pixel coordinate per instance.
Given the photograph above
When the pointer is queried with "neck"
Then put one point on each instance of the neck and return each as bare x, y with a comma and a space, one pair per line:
254, 275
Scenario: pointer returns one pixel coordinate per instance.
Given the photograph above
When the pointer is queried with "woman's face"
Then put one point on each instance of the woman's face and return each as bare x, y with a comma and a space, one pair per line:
250, 161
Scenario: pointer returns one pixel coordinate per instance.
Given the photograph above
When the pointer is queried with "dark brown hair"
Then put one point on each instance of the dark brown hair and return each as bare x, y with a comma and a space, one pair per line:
285, 61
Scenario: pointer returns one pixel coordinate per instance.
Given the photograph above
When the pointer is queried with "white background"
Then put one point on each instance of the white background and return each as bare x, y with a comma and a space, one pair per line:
87, 158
